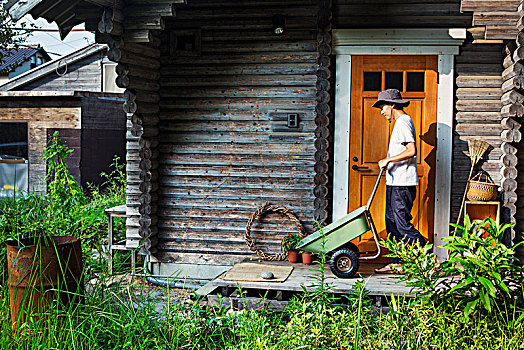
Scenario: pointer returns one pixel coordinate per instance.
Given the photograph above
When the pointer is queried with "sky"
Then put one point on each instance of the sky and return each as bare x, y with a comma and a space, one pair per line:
51, 42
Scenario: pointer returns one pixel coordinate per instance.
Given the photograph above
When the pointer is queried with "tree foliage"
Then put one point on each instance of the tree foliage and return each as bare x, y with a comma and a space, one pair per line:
11, 36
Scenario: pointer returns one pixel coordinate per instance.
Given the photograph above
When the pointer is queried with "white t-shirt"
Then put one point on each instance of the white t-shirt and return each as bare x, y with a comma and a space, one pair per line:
403, 173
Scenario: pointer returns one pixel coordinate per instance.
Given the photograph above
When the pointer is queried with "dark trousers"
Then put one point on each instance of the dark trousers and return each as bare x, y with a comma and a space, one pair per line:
399, 202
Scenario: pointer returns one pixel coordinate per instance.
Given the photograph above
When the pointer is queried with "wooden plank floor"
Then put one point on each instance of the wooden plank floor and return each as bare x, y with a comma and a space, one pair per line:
301, 276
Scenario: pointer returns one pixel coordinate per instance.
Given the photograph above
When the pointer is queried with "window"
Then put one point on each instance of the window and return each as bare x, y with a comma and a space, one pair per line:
415, 81
394, 80
372, 81
109, 74
185, 42
13, 139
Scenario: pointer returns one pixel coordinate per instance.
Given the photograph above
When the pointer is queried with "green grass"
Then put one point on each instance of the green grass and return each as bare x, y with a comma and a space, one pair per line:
122, 316
115, 317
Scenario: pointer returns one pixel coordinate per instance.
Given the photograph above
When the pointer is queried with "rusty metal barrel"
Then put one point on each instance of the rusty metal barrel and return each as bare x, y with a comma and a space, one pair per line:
42, 270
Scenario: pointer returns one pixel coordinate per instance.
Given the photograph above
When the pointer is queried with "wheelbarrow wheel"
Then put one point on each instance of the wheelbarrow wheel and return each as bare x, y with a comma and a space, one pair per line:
344, 263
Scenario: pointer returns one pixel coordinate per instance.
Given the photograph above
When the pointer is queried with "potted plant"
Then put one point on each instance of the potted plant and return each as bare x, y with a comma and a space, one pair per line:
289, 244
307, 257
44, 255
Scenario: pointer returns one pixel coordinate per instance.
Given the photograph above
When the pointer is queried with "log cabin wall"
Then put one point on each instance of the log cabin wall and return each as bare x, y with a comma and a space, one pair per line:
519, 64
492, 19
348, 14
137, 54
512, 148
225, 147
478, 70
138, 72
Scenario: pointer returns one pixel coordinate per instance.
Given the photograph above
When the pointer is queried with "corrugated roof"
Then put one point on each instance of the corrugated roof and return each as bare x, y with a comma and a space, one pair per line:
14, 57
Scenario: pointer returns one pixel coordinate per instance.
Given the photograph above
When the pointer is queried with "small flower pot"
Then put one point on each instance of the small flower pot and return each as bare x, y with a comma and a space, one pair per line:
307, 258
292, 256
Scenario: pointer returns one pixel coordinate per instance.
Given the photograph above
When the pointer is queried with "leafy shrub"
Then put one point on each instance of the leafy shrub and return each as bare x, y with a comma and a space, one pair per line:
63, 209
483, 269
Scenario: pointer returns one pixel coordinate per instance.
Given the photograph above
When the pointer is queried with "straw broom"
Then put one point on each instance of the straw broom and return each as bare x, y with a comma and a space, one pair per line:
476, 148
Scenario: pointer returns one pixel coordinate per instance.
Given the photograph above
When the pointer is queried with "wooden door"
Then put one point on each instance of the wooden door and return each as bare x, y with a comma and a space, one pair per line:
416, 78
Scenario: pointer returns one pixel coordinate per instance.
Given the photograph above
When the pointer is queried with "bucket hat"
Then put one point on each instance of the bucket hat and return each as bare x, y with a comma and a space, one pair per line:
390, 96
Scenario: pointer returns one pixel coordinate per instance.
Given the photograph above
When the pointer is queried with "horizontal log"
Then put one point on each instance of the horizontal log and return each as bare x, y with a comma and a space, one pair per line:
129, 107
512, 97
493, 5
516, 69
511, 135
150, 8
495, 32
485, 81
512, 110
510, 48
510, 123
136, 48
520, 24
479, 106
514, 83
508, 148
141, 22
150, 119
478, 117
129, 95
508, 184
139, 36
259, 92
172, 62
508, 172
518, 55
508, 61
509, 197
131, 82
478, 129
478, 93
123, 56
136, 130
498, 18
509, 160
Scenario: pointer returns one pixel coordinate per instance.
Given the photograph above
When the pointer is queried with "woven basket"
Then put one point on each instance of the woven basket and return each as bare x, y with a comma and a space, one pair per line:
482, 188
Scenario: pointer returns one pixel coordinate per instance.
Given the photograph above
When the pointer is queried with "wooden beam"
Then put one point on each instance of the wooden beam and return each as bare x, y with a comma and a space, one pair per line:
491, 5
18, 9
101, 3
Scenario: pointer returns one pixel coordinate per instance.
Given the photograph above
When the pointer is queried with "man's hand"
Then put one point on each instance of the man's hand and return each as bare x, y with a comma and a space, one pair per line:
383, 163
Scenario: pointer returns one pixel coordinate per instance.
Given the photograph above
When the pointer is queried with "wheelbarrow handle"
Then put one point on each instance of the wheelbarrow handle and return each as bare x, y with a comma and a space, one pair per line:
372, 195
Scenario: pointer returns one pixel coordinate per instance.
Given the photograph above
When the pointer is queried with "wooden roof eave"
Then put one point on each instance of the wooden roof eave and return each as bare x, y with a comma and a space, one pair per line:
68, 13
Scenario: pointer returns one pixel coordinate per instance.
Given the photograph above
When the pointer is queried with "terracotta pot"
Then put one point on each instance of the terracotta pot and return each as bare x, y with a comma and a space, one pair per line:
307, 258
292, 256
41, 270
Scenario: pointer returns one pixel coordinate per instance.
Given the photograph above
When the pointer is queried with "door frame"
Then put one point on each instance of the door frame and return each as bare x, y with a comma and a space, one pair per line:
440, 42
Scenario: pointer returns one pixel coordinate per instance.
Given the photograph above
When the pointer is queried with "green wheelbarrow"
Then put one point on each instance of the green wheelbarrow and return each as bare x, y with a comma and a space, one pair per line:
345, 257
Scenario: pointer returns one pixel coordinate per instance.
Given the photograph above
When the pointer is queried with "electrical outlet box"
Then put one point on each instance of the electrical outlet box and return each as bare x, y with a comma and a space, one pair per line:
292, 120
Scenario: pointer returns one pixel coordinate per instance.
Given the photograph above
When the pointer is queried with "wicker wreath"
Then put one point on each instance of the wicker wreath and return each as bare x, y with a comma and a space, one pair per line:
267, 208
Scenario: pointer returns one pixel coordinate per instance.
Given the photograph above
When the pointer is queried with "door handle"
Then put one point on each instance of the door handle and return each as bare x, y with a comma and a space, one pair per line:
358, 168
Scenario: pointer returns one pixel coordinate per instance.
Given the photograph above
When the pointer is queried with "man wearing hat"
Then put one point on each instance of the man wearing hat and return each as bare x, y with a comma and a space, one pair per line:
401, 173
